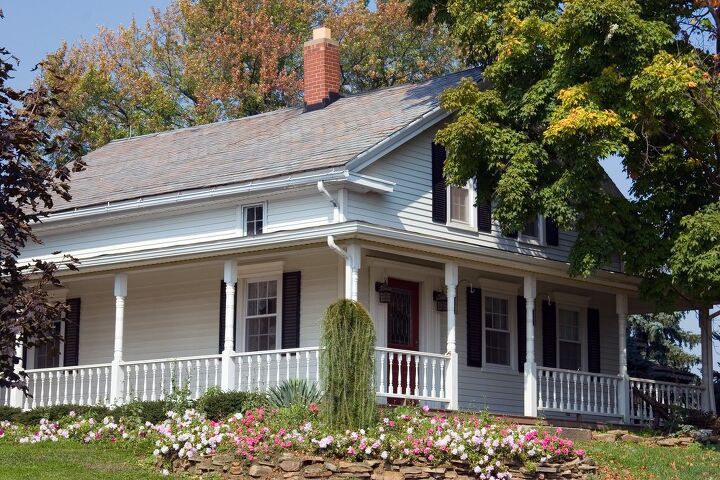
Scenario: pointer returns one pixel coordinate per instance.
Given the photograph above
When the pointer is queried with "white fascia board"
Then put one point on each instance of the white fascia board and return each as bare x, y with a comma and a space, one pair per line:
363, 183
398, 138
437, 249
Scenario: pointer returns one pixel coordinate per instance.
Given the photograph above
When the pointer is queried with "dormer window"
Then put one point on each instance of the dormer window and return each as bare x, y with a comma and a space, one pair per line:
461, 206
533, 231
254, 219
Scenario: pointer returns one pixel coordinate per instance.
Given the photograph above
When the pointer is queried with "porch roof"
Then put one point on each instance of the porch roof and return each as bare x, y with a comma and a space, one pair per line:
273, 144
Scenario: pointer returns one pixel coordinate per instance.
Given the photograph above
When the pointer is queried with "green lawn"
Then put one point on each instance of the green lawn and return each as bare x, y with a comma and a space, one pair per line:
75, 461
630, 461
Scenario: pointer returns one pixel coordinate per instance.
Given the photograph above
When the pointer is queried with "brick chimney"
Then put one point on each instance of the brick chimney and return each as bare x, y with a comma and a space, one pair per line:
321, 59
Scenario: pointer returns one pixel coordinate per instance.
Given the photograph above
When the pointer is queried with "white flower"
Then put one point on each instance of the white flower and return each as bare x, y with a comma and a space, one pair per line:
368, 450
164, 449
165, 472
384, 455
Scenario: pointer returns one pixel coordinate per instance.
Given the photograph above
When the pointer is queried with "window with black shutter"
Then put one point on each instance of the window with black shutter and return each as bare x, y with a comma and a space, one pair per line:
71, 352
439, 187
552, 234
549, 335
522, 332
473, 301
291, 310
593, 337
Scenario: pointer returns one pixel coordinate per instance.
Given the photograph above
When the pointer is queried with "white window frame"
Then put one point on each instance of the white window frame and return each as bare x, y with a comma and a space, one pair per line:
472, 212
573, 303
257, 273
242, 215
541, 238
512, 321
61, 296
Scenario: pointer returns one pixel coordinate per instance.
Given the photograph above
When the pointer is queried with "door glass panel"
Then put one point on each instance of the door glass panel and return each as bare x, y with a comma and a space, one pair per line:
400, 317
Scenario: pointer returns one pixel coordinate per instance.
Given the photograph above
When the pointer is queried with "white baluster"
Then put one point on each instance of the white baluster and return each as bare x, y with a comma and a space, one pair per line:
216, 362
442, 378
425, 377
58, 375
288, 356
161, 392
82, 386
277, 368
240, 377
98, 374
207, 373
65, 387
381, 376
307, 365
391, 361
417, 375
317, 366
408, 383
268, 359
432, 389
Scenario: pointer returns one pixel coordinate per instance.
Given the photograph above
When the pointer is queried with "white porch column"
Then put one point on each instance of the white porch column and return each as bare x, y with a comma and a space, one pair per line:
227, 378
621, 308
17, 395
117, 379
452, 373
352, 271
530, 369
706, 348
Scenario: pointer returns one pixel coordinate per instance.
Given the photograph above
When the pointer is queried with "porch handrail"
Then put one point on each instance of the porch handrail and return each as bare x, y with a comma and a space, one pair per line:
273, 352
665, 393
70, 368
663, 382
172, 359
606, 375
413, 352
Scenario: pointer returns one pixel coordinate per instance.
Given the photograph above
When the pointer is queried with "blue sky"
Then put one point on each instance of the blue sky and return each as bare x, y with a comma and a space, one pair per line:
32, 28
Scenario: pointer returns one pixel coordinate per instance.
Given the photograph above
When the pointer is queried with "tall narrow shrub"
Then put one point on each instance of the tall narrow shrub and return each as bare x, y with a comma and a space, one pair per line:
347, 366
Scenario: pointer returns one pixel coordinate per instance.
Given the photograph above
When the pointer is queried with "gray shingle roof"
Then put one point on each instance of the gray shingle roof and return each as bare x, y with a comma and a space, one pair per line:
251, 148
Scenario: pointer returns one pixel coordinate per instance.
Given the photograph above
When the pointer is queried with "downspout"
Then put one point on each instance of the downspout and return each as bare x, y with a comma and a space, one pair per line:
321, 188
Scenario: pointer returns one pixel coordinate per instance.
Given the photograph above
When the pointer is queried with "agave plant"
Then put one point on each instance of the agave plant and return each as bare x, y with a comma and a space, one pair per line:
293, 392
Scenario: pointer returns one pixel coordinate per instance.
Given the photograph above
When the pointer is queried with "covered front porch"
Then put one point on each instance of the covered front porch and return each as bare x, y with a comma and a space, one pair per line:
455, 333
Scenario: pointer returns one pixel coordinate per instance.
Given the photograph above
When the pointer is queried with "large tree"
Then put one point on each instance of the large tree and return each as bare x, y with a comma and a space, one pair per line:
35, 167
570, 83
200, 61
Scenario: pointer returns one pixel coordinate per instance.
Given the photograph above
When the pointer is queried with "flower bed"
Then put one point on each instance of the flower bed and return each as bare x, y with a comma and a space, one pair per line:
475, 445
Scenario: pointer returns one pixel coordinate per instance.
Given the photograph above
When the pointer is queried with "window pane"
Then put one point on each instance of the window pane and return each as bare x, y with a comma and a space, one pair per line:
459, 198
531, 228
498, 347
253, 220
496, 315
570, 356
252, 290
569, 325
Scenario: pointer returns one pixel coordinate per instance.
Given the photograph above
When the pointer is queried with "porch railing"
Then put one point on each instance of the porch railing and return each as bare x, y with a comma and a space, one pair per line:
261, 371
82, 385
4, 397
578, 392
665, 393
155, 379
411, 375
399, 374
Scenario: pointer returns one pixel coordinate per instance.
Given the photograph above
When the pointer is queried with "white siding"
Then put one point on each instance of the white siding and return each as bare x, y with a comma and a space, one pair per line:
409, 206
156, 230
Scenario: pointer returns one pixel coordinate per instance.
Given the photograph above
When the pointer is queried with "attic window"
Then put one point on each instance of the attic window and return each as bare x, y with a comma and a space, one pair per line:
254, 219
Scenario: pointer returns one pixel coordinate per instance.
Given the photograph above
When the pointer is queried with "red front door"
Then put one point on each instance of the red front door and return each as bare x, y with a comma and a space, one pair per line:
403, 320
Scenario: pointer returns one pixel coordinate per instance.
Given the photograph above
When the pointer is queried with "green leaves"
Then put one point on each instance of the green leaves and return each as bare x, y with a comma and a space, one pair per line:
568, 84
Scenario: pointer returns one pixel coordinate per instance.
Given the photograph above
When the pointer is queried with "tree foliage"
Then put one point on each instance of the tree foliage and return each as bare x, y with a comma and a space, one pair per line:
201, 61
658, 340
568, 84
347, 365
35, 167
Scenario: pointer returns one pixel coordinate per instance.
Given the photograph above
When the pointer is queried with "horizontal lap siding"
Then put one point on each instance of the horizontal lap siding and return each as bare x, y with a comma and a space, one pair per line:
409, 206
174, 313
160, 229
297, 212
478, 389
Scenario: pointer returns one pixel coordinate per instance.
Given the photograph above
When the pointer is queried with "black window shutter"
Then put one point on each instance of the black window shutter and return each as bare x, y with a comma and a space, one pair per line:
72, 334
291, 310
484, 217
221, 334
549, 340
552, 234
439, 190
593, 332
522, 332
474, 314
